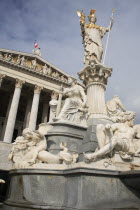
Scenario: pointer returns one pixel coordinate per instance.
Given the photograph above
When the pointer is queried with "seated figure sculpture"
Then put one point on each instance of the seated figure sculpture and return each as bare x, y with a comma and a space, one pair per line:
116, 110
30, 149
120, 137
74, 105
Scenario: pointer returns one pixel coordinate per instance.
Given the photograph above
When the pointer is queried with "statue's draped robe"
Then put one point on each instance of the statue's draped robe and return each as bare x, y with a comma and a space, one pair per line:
70, 109
93, 43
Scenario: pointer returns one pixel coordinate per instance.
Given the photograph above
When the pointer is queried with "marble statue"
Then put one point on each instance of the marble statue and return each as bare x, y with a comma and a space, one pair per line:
55, 75
34, 64
92, 37
49, 71
23, 61
26, 62
44, 69
53, 105
37, 51
120, 137
66, 80
18, 60
113, 107
74, 105
9, 57
29, 150
5, 56
62, 78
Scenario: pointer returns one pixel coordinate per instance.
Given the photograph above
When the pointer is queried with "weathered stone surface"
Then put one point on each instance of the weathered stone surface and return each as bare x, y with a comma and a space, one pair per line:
5, 164
85, 189
65, 132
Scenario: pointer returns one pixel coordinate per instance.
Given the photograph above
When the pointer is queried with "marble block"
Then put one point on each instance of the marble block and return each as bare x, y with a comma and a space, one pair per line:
77, 189
69, 133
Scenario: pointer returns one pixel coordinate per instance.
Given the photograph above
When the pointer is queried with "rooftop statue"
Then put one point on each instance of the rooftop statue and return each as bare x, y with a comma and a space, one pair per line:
37, 51
92, 37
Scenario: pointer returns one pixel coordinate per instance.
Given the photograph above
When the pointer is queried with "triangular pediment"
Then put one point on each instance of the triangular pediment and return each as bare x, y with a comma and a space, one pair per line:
29, 62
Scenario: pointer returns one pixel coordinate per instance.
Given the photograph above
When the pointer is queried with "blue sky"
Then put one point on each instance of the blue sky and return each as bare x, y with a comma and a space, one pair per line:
55, 26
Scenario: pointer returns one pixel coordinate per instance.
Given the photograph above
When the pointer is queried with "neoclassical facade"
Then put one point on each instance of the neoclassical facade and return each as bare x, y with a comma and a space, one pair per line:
28, 84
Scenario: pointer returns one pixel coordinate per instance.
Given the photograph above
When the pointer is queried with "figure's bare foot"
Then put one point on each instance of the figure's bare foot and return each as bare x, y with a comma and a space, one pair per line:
32, 161
90, 156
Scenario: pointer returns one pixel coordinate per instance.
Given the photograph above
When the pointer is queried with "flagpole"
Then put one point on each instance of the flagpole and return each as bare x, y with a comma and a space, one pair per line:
107, 39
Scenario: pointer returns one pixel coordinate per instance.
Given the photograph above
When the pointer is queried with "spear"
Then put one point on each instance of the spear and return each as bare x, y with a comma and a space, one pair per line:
107, 38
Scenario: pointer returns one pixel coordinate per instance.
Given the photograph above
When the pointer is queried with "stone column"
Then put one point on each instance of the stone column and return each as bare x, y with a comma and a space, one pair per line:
95, 78
27, 113
1, 78
45, 111
13, 112
96, 98
34, 109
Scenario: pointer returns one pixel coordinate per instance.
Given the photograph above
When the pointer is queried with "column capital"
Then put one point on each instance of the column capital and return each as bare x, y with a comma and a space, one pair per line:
19, 83
2, 76
95, 74
37, 89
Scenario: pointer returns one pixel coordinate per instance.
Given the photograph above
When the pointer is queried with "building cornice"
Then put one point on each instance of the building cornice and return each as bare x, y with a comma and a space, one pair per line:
9, 59
31, 72
31, 55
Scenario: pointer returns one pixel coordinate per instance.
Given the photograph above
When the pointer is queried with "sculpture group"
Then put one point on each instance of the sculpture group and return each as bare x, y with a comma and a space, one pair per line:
30, 150
32, 64
116, 135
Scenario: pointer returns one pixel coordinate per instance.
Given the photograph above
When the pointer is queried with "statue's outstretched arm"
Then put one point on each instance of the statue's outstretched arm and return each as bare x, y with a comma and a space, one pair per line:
82, 23
101, 135
121, 105
102, 152
111, 24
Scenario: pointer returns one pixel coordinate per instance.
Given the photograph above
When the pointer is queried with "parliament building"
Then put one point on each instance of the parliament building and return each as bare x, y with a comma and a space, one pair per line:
28, 83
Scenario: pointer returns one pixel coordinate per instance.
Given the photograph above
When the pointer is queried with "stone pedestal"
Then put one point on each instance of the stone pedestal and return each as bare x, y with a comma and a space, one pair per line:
69, 133
5, 164
95, 78
73, 189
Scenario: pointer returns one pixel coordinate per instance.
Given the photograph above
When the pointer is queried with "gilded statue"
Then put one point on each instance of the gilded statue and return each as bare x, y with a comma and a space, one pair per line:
92, 35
